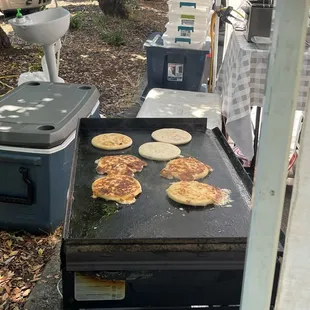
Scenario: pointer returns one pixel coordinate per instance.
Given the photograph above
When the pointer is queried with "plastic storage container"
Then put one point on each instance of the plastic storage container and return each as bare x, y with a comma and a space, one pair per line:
184, 36
173, 68
189, 6
189, 19
178, 27
195, 42
37, 133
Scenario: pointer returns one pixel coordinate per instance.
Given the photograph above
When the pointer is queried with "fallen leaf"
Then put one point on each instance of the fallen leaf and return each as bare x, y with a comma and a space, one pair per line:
27, 292
35, 280
5, 296
40, 252
15, 308
37, 267
16, 290
8, 289
9, 243
13, 253
9, 260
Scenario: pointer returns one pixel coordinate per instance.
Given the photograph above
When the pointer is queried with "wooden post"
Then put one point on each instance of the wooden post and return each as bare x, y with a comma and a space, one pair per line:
294, 284
282, 88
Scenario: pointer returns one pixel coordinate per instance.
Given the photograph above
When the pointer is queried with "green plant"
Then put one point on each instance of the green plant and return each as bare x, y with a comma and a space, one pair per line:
115, 37
76, 21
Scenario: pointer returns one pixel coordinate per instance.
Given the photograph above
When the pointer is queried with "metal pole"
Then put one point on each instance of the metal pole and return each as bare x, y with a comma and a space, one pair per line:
216, 43
282, 88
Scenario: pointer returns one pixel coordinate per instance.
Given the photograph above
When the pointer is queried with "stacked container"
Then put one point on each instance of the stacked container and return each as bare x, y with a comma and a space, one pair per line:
188, 24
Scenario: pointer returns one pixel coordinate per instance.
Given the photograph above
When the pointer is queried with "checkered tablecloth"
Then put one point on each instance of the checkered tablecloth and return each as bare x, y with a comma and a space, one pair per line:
241, 83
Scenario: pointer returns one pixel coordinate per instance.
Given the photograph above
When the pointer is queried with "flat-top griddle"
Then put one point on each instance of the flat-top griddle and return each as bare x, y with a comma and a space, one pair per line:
164, 254
154, 217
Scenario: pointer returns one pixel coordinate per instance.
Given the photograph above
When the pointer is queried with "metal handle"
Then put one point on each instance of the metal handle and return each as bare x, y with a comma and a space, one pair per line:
21, 200
188, 28
187, 4
187, 40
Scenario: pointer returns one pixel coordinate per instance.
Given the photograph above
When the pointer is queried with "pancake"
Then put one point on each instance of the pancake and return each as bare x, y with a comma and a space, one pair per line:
194, 193
159, 151
120, 188
172, 135
111, 141
120, 165
186, 169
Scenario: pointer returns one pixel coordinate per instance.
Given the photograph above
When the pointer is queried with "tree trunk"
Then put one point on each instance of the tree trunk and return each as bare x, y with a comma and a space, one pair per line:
114, 7
4, 40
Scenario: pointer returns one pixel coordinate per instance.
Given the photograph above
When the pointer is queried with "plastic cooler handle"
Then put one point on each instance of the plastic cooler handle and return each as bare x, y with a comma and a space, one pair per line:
192, 4
189, 28
21, 200
189, 41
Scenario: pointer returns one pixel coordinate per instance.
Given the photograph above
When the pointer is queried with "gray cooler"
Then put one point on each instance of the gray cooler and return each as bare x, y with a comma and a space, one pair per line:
37, 131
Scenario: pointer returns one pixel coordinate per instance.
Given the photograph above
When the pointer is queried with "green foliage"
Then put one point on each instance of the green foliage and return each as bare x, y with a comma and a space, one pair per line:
76, 21
115, 37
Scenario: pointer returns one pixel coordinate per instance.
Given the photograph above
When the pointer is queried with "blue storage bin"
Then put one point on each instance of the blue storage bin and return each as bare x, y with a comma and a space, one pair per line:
36, 151
173, 68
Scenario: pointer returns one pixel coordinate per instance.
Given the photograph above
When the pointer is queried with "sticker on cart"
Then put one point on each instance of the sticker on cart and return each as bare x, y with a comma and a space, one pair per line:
187, 20
185, 33
175, 72
91, 288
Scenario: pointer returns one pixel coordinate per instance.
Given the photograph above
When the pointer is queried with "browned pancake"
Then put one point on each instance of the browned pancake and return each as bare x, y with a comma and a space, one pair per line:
185, 169
120, 165
111, 141
194, 193
120, 188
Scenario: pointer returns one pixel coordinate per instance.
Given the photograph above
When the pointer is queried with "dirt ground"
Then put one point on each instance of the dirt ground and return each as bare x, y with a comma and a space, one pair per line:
89, 55
87, 58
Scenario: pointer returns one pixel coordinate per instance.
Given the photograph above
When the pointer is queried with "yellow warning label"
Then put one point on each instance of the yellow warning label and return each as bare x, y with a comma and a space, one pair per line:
91, 288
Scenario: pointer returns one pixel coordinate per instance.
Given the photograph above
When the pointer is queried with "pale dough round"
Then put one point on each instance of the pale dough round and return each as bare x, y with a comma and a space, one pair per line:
159, 151
172, 135
111, 141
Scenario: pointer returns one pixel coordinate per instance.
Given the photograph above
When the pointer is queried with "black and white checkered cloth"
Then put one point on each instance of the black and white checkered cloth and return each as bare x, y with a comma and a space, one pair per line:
242, 77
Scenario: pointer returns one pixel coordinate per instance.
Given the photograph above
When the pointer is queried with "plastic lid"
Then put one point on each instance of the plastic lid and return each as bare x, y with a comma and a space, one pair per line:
44, 114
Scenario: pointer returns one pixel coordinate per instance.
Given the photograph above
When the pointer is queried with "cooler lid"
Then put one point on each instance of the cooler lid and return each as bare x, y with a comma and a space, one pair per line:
44, 114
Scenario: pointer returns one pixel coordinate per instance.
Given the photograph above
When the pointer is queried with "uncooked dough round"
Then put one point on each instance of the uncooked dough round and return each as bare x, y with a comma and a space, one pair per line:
159, 151
172, 135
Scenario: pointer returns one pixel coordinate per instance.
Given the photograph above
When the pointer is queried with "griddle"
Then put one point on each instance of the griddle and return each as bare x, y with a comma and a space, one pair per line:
154, 215
155, 244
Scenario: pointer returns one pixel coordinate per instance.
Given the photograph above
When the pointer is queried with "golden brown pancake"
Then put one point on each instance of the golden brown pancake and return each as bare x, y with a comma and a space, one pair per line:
186, 169
120, 165
194, 193
111, 141
120, 188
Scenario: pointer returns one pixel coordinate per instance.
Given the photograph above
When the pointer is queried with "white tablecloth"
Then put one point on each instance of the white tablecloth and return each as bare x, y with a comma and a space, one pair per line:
241, 83
182, 104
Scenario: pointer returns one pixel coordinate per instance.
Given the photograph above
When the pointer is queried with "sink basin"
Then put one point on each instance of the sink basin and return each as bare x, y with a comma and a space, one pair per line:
44, 27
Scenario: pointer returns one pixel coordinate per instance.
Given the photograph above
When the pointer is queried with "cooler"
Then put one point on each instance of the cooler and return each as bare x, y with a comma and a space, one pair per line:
38, 123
